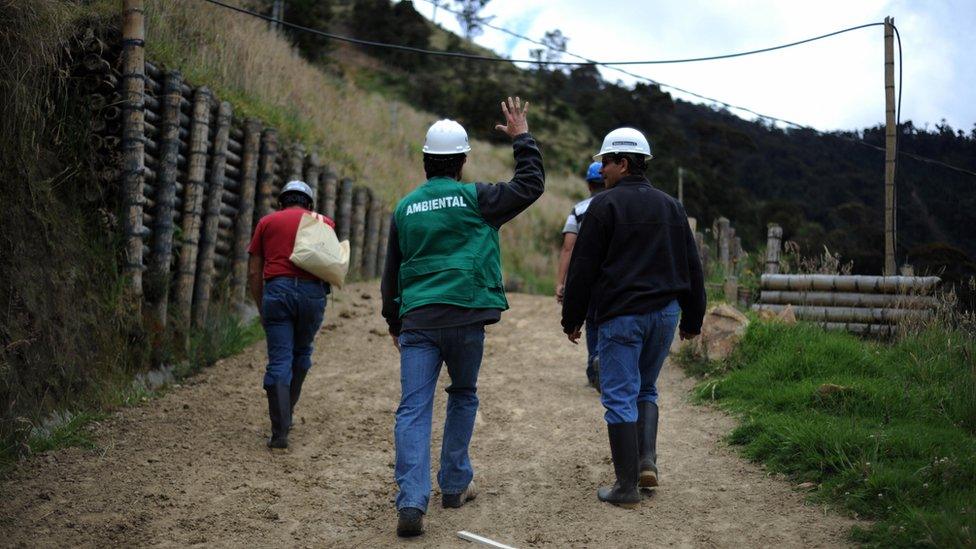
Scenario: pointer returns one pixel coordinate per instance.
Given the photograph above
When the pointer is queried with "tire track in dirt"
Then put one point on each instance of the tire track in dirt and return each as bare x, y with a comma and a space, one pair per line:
190, 468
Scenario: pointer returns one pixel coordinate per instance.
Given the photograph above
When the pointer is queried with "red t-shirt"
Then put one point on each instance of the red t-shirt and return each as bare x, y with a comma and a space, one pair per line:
274, 240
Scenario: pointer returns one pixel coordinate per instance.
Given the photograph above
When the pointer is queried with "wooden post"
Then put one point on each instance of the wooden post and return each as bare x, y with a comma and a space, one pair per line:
266, 174
356, 240
245, 209
774, 237
215, 198
344, 215
890, 136
192, 207
133, 148
296, 162
312, 172
723, 243
160, 274
330, 187
731, 289
385, 221
372, 237
700, 244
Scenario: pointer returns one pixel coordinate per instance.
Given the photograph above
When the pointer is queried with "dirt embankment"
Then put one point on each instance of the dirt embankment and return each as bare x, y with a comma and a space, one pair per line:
191, 468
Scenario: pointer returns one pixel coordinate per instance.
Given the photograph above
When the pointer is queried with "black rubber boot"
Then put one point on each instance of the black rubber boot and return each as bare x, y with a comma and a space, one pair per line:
295, 391
647, 443
410, 522
623, 449
279, 409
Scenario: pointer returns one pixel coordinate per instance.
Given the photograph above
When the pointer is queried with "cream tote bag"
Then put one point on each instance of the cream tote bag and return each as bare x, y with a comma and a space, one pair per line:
318, 250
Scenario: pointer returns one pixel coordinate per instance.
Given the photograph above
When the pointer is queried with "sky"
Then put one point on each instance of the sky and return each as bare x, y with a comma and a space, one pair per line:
831, 84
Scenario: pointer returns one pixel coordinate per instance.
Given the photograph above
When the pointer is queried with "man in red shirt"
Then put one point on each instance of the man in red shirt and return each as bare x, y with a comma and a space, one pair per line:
291, 303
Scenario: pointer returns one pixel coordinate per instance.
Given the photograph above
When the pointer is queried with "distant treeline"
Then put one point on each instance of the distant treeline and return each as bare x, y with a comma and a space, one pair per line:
823, 189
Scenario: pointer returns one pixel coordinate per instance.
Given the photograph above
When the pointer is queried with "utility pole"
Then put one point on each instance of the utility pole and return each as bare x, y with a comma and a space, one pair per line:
277, 13
890, 136
681, 185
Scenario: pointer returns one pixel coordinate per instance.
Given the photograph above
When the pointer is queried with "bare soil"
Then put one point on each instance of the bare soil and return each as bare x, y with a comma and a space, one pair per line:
191, 468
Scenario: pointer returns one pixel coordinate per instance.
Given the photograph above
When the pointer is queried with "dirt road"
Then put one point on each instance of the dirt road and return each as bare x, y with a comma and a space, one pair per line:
191, 468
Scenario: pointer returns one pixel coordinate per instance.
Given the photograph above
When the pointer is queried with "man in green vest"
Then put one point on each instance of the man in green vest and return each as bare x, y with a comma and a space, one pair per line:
442, 284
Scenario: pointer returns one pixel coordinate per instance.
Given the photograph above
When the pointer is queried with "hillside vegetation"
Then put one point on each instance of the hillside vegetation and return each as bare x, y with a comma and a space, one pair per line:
888, 432
824, 189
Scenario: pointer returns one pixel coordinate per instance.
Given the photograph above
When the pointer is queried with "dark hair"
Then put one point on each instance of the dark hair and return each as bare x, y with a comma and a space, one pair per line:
443, 165
636, 163
293, 198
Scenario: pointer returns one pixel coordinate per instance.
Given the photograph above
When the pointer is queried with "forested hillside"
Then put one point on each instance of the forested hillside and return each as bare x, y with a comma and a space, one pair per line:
825, 189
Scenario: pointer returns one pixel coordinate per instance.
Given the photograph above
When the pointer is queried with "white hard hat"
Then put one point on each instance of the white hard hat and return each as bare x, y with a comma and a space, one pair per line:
297, 186
446, 137
625, 140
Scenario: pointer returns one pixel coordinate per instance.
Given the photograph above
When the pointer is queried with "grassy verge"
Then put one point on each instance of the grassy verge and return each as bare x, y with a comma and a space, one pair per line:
888, 432
224, 336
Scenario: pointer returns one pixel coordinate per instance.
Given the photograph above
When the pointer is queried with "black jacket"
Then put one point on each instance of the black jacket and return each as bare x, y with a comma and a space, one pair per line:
498, 204
634, 254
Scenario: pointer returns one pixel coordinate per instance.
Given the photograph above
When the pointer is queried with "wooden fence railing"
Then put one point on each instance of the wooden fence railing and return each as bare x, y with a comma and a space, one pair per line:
200, 179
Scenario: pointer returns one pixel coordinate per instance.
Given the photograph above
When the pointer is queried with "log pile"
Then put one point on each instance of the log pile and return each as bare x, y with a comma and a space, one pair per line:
195, 179
872, 305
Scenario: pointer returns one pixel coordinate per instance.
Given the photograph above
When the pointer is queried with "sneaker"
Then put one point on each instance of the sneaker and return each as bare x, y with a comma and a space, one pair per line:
410, 522
456, 500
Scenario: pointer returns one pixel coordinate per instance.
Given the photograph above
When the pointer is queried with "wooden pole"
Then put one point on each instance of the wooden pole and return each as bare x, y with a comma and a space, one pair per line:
296, 162
723, 243
866, 315
774, 237
890, 136
169, 145
313, 171
215, 199
266, 173
850, 283
344, 215
133, 148
245, 209
385, 221
358, 237
372, 237
849, 299
731, 289
192, 207
330, 187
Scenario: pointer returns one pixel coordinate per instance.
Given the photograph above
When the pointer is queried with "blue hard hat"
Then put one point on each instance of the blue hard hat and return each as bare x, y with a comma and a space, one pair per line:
593, 173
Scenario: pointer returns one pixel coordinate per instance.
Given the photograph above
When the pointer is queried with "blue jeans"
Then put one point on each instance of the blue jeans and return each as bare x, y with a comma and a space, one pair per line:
632, 350
292, 309
421, 354
591, 349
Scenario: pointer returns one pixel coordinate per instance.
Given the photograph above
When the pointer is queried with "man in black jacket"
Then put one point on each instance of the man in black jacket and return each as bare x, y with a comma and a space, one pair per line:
635, 258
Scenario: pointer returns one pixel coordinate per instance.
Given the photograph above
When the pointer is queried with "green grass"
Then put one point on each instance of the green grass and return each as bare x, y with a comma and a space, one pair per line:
888, 432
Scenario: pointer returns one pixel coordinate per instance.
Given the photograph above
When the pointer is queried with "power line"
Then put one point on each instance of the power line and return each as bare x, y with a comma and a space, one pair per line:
476, 57
746, 109
610, 65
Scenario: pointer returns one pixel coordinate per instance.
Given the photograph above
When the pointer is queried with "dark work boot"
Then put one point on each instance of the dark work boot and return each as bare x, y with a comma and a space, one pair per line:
647, 443
623, 449
295, 391
279, 409
410, 522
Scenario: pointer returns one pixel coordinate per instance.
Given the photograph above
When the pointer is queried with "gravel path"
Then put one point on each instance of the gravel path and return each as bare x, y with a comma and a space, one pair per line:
190, 468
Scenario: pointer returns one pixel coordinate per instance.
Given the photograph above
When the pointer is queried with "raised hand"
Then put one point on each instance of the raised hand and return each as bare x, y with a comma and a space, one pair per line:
515, 121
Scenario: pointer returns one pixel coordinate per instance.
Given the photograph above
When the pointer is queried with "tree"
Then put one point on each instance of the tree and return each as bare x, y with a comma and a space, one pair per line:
314, 14
471, 23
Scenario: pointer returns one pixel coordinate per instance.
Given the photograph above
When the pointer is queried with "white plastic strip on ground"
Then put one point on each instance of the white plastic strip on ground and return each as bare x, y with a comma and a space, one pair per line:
465, 535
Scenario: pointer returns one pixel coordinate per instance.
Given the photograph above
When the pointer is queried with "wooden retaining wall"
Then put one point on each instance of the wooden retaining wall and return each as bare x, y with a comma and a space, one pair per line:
196, 178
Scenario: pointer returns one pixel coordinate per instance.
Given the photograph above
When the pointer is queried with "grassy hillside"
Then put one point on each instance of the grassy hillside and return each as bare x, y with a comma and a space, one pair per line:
366, 134
887, 432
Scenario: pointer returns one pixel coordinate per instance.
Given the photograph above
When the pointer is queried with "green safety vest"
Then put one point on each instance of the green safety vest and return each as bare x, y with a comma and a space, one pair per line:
450, 254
